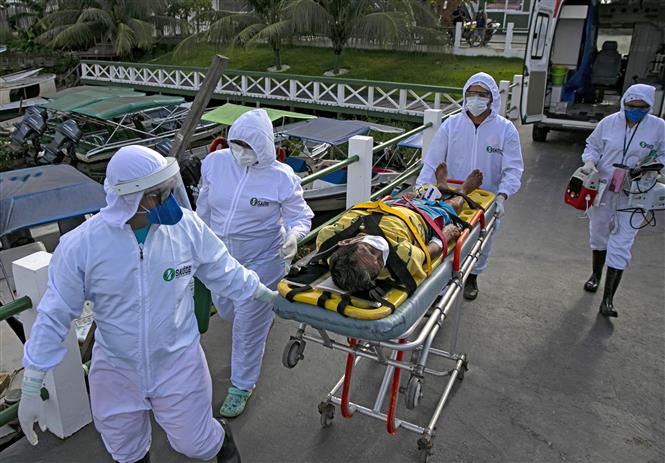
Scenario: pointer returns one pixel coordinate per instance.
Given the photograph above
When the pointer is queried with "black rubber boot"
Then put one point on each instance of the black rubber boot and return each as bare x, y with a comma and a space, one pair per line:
471, 287
611, 284
597, 263
229, 452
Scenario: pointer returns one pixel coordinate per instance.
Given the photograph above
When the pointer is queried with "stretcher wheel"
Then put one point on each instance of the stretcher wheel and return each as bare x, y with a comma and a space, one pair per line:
327, 412
414, 392
293, 353
425, 449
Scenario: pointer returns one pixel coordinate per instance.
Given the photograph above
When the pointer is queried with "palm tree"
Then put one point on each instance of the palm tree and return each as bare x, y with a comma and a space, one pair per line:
341, 20
262, 21
126, 24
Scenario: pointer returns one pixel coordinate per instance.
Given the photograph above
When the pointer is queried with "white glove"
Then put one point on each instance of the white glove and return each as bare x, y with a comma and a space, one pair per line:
588, 167
265, 294
290, 246
500, 208
31, 406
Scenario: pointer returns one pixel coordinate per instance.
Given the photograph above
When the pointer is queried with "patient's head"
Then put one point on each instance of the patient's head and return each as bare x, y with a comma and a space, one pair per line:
357, 262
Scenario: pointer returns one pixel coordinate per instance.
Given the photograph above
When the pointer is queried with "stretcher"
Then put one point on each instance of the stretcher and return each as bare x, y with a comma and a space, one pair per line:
411, 329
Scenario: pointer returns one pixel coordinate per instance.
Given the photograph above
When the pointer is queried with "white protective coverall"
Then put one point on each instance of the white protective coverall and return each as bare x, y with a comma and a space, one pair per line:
608, 229
251, 209
147, 354
493, 147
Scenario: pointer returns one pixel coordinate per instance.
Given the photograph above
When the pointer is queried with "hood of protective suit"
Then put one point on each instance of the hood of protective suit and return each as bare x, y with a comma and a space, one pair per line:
643, 92
489, 82
128, 163
255, 128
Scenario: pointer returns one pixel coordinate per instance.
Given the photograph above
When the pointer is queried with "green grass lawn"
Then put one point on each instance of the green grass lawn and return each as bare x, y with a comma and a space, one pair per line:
419, 68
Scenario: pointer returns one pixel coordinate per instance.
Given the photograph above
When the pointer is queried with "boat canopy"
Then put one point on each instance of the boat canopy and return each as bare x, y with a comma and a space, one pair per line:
107, 102
414, 141
229, 112
46, 194
333, 131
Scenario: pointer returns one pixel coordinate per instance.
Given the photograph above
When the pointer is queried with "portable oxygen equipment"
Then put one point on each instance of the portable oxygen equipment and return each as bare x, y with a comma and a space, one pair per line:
647, 190
582, 189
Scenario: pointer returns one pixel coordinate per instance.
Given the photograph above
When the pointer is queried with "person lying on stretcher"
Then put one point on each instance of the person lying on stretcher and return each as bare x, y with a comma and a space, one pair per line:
395, 250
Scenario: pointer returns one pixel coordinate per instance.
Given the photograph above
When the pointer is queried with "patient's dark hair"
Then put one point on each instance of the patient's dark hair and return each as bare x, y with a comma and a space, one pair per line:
348, 271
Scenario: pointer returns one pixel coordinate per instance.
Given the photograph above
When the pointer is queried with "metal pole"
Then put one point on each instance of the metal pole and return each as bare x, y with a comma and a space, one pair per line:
329, 170
17, 306
214, 73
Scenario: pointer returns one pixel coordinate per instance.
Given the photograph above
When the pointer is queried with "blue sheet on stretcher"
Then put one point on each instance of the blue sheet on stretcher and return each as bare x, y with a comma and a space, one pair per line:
396, 324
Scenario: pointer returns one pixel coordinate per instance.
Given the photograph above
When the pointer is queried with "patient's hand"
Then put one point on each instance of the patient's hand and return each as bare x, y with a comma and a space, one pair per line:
451, 232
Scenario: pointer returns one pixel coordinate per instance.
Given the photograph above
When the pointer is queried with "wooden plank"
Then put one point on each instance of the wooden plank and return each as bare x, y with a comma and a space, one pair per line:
182, 138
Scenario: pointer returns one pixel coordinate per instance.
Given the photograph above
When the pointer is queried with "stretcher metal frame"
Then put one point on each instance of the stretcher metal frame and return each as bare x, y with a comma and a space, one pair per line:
391, 353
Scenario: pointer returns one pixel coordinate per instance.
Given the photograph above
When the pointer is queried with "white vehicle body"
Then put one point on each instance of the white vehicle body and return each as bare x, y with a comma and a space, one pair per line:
632, 30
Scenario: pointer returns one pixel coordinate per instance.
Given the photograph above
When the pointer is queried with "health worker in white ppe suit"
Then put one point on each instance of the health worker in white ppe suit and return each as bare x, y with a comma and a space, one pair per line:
255, 205
478, 138
621, 141
135, 261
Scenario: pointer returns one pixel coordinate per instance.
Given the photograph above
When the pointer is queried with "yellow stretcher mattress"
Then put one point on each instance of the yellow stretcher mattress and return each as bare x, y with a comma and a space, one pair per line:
369, 310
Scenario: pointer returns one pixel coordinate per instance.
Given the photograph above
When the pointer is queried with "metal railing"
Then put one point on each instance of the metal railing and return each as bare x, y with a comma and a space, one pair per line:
15, 307
295, 90
329, 170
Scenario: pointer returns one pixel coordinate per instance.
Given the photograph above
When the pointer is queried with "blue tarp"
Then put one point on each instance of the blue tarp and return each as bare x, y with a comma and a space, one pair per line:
332, 131
46, 194
414, 141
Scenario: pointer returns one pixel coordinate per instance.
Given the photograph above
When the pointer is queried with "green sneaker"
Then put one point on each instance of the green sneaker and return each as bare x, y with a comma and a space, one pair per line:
235, 402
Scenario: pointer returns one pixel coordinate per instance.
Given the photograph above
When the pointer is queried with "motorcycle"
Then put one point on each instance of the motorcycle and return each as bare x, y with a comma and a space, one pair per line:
472, 36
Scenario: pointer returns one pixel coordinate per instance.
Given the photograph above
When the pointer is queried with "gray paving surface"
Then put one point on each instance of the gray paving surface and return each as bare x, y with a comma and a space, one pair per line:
549, 380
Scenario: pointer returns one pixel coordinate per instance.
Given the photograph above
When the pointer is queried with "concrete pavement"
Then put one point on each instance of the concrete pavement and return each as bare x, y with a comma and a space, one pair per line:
549, 379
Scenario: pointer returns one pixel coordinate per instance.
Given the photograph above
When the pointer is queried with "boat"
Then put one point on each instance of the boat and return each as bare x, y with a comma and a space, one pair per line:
21, 90
89, 124
321, 143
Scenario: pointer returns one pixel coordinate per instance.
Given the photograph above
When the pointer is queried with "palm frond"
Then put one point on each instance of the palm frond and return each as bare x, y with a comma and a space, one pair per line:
61, 18
224, 30
272, 33
247, 34
188, 44
390, 26
309, 16
96, 15
124, 40
143, 32
78, 35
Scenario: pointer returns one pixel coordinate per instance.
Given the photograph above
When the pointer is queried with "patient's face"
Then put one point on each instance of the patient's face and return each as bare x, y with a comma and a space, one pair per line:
370, 258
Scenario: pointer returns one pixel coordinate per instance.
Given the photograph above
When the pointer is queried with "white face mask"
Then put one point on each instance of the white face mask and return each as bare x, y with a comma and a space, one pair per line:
243, 156
476, 105
378, 243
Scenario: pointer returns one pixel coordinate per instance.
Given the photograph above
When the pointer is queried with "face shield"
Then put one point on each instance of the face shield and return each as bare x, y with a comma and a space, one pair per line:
159, 195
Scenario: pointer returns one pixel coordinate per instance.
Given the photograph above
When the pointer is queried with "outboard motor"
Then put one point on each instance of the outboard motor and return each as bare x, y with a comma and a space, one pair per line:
67, 136
31, 127
164, 147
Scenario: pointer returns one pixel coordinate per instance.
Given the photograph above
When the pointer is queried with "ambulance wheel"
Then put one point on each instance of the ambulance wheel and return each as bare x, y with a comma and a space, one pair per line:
327, 412
414, 392
293, 353
539, 133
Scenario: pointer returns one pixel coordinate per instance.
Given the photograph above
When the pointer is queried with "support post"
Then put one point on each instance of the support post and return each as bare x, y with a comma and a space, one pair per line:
504, 90
458, 35
515, 98
359, 177
508, 46
68, 407
434, 116
201, 100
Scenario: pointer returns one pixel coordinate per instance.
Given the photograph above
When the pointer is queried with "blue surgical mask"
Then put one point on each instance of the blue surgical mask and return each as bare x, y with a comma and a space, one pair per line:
167, 213
635, 114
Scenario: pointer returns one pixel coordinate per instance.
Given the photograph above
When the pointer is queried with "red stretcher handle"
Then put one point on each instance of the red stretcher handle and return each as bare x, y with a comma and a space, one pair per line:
346, 388
390, 422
